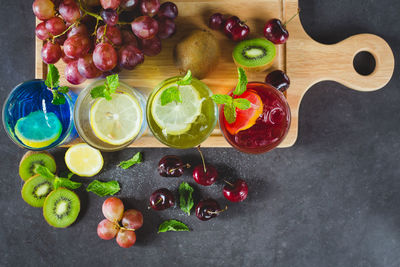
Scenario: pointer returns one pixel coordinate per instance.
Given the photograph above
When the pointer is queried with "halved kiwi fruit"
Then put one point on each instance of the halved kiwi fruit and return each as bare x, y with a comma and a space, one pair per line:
61, 208
31, 159
36, 189
255, 54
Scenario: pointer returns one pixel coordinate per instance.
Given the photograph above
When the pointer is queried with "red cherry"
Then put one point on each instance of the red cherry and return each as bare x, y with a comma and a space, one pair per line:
216, 21
236, 29
204, 174
229, 23
236, 192
279, 80
276, 32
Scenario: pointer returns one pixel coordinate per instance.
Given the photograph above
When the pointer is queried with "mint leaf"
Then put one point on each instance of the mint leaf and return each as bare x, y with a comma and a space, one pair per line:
63, 89
134, 160
222, 99
98, 91
107, 95
170, 94
113, 82
172, 225
186, 202
53, 77
230, 113
64, 182
242, 83
186, 80
242, 103
43, 171
103, 189
58, 98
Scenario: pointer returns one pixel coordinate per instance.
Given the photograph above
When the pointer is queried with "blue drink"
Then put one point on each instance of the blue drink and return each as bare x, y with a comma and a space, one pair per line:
33, 122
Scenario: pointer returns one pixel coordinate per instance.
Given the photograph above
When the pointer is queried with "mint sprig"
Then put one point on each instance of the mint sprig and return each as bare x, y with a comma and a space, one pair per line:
231, 104
53, 83
186, 202
57, 181
103, 189
172, 93
172, 225
137, 158
43, 171
109, 87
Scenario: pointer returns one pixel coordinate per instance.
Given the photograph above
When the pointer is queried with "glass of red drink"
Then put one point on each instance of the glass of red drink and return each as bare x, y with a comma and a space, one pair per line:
263, 126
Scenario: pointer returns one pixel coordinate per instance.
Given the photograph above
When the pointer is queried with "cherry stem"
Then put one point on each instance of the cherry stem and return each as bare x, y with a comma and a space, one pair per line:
217, 211
228, 183
202, 158
298, 11
187, 165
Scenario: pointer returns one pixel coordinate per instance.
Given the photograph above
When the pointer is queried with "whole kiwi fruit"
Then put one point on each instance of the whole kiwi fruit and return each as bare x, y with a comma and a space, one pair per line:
198, 52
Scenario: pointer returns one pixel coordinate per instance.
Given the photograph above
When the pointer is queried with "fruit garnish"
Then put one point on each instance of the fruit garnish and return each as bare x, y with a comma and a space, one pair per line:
36, 189
216, 21
237, 191
279, 80
204, 174
173, 225
276, 32
208, 209
246, 118
84, 160
53, 83
186, 202
38, 129
171, 166
162, 199
172, 93
110, 86
32, 159
113, 209
236, 29
231, 104
137, 158
103, 189
117, 121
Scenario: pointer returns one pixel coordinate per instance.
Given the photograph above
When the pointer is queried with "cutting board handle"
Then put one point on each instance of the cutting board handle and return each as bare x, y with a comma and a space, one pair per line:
341, 59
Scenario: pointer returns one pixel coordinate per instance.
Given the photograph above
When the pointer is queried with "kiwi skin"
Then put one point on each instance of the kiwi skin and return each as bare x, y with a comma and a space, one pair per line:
198, 52
25, 174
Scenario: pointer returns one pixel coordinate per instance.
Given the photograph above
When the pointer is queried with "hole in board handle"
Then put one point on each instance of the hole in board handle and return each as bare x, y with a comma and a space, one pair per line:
364, 63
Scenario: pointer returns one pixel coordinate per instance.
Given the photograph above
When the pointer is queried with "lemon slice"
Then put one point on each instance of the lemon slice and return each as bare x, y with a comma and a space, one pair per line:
177, 118
84, 160
117, 121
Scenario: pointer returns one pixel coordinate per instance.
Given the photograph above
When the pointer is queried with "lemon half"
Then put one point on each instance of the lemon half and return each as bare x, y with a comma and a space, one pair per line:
84, 160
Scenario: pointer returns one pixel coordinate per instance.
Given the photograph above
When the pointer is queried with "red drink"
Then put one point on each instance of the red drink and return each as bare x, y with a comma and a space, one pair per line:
270, 127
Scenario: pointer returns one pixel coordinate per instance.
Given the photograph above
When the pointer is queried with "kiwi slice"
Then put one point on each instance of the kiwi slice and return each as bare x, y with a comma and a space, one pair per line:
61, 208
31, 159
255, 54
36, 189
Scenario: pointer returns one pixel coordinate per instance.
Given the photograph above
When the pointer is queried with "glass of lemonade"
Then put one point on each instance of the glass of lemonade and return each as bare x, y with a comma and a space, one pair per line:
183, 124
33, 122
110, 125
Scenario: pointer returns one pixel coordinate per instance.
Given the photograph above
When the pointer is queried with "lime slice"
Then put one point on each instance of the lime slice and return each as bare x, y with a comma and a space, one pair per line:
84, 160
38, 129
117, 121
177, 118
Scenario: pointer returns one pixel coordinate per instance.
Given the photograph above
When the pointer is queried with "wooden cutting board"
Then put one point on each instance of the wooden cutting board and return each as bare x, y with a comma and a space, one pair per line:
305, 61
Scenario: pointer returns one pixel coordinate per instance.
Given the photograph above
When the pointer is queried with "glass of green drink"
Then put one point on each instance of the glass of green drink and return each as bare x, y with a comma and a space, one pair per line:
185, 123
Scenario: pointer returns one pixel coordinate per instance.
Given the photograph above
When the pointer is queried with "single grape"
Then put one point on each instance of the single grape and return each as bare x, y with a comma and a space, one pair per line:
80, 29
65, 58
128, 38
151, 47
126, 238
51, 53
216, 21
130, 56
110, 16
55, 26
113, 35
132, 219
41, 32
107, 4
150, 7
43, 9
77, 46
70, 11
107, 230
145, 27
168, 10
129, 4
87, 68
72, 74
166, 28
113, 209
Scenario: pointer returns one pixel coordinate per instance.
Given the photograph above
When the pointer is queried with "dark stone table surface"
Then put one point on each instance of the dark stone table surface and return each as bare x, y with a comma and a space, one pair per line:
333, 199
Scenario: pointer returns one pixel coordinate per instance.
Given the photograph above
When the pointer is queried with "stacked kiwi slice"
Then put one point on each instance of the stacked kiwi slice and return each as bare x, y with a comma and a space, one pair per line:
61, 206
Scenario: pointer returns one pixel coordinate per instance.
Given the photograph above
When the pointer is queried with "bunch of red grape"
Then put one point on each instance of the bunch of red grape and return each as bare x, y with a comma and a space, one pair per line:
100, 37
131, 220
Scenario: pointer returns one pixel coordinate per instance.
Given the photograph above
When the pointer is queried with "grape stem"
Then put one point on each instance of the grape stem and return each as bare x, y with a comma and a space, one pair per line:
88, 12
123, 23
126, 229
69, 28
202, 158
